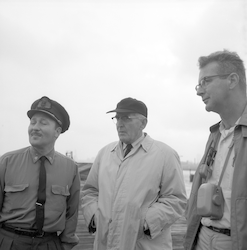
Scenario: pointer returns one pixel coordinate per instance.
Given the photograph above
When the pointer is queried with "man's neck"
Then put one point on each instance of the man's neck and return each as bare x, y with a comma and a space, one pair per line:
232, 114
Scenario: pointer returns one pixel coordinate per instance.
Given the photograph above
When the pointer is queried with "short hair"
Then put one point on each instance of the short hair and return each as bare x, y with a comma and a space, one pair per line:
229, 62
139, 116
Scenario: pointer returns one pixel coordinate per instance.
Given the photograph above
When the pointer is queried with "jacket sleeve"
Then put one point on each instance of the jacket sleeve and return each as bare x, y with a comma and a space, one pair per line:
193, 219
171, 201
197, 181
2, 176
68, 237
90, 191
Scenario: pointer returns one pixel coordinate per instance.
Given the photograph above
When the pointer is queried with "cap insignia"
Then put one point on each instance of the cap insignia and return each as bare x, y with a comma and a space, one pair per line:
44, 103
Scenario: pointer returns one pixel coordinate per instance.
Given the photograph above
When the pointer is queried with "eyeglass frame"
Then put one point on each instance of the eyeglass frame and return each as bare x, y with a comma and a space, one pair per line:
203, 82
115, 119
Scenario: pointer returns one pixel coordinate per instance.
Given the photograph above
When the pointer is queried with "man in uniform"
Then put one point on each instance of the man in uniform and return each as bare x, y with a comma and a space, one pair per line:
39, 187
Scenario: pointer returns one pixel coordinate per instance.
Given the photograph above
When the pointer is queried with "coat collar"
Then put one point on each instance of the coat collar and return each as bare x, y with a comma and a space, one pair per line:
146, 143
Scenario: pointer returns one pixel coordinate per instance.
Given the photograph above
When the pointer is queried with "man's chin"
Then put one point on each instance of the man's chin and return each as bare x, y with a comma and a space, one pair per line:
122, 139
35, 143
208, 108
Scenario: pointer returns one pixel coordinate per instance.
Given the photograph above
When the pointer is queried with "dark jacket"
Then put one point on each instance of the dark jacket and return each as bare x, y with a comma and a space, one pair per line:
239, 191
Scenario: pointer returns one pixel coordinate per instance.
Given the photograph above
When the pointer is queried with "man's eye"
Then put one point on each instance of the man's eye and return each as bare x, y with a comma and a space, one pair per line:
124, 118
44, 122
208, 80
33, 121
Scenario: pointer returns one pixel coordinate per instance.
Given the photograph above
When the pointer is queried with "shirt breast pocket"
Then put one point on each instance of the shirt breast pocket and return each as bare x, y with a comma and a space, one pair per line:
14, 196
60, 195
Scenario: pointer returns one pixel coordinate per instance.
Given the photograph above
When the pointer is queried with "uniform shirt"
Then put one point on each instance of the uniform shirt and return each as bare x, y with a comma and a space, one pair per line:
19, 180
225, 142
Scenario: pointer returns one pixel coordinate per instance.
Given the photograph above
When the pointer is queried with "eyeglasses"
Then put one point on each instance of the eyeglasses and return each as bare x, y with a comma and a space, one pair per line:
205, 81
125, 118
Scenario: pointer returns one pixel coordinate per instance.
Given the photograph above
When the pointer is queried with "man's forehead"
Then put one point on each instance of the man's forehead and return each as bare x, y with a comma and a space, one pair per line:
211, 68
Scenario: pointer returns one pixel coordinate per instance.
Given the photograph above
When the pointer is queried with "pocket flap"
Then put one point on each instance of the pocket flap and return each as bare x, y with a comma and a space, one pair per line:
56, 189
15, 188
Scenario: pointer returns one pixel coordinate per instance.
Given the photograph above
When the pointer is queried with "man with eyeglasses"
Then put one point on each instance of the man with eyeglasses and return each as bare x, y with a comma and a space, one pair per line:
39, 187
222, 87
135, 189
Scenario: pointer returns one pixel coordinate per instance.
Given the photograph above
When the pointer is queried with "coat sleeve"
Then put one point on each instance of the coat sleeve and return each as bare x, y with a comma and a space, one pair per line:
171, 201
90, 192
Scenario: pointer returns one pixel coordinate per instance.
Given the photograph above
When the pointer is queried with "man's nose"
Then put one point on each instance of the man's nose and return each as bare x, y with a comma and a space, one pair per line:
119, 123
200, 91
35, 126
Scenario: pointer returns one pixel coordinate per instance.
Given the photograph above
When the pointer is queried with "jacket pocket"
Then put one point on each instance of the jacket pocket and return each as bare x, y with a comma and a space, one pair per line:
59, 196
143, 212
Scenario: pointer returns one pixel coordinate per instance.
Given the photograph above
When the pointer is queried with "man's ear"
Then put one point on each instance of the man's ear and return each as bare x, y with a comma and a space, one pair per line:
233, 80
58, 132
144, 123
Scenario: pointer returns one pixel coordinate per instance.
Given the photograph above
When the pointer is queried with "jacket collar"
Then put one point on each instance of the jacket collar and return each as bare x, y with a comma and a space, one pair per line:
215, 127
243, 119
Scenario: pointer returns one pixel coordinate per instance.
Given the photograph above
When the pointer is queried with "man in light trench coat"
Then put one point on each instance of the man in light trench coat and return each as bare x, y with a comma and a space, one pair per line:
131, 199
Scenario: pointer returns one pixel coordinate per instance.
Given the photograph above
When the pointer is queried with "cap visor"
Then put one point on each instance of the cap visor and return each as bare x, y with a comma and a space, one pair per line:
121, 111
31, 112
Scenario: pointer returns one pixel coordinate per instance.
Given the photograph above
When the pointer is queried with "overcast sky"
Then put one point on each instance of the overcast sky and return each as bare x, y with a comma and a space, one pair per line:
88, 55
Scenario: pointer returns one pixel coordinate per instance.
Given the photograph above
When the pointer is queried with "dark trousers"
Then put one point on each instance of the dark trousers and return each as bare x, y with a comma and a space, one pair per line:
12, 241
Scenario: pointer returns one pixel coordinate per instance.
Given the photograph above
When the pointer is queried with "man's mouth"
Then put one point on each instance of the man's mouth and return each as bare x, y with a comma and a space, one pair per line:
35, 135
121, 132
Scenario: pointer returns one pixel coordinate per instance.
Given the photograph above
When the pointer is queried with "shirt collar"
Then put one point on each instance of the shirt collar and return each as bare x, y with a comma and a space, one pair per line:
135, 143
36, 156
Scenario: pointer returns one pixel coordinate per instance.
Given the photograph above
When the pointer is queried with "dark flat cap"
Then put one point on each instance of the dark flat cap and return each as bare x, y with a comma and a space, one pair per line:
131, 105
52, 108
